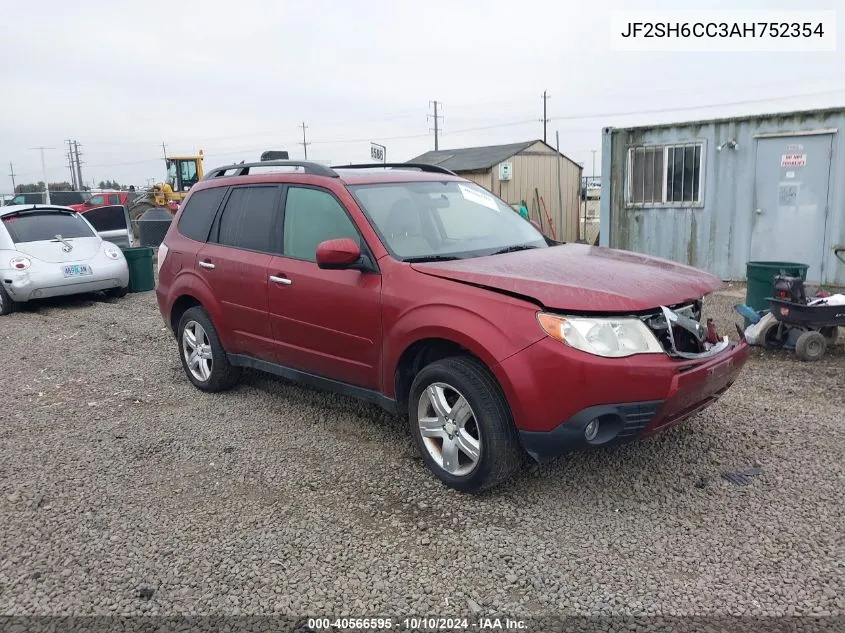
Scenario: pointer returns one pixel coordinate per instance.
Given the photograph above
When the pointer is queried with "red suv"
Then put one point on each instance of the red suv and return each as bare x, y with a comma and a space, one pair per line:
415, 289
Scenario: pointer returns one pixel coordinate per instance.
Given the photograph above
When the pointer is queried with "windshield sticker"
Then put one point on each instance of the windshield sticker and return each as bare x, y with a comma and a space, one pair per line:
479, 198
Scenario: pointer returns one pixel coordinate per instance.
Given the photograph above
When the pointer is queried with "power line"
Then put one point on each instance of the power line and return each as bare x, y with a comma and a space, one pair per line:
545, 119
515, 123
436, 118
694, 107
304, 142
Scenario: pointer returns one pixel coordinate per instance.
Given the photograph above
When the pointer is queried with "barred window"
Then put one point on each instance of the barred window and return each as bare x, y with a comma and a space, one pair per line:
665, 174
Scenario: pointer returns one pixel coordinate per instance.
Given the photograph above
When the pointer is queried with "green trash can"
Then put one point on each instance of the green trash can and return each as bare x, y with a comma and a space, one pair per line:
140, 261
761, 275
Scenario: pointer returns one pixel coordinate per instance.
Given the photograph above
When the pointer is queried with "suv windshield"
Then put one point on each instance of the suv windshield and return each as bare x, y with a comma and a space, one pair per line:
444, 220
37, 226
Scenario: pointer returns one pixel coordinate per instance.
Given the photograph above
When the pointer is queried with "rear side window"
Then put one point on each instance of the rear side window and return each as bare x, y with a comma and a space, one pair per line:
46, 225
114, 198
198, 214
249, 219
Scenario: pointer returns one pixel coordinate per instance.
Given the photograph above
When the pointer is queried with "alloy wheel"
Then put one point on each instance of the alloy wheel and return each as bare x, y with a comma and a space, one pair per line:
197, 351
449, 429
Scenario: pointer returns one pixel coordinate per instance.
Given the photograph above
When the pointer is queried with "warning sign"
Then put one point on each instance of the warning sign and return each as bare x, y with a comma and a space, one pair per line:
793, 160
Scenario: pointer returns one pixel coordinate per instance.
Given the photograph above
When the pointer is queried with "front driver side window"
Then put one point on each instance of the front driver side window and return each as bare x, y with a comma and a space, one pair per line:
313, 216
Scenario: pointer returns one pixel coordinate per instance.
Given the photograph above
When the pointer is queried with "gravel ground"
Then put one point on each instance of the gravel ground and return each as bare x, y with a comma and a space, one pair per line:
124, 490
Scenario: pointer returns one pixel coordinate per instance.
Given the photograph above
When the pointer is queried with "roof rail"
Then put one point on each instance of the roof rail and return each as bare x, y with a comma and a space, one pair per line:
242, 169
421, 166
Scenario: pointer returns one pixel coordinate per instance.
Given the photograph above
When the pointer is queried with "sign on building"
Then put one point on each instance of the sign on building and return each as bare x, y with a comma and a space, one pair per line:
505, 171
793, 160
377, 152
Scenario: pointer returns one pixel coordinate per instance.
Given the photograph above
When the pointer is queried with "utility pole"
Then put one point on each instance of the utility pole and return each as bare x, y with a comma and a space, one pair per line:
436, 118
304, 143
44, 172
78, 165
594, 164
545, 119
164, 150
12, 174
71, 163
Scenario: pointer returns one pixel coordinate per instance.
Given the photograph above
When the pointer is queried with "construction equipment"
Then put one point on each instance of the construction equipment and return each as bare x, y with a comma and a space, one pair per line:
183, 172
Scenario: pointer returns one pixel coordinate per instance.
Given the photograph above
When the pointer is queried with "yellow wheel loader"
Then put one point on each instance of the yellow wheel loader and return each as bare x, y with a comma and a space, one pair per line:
183, 172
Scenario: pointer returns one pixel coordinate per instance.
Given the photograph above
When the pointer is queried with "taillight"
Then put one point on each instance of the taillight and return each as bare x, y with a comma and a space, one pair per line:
20, 263
162, 254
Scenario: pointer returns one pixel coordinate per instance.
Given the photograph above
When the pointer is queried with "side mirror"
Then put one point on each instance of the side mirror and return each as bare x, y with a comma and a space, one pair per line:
338, 254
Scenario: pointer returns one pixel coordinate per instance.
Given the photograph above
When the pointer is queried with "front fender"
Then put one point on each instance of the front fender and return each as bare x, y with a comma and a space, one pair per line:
490, 340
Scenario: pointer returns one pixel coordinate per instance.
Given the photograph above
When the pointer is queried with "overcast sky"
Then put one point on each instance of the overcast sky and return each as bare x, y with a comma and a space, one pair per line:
236, 78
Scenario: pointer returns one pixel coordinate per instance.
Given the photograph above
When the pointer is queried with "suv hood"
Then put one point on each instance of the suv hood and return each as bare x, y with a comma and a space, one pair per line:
582, 278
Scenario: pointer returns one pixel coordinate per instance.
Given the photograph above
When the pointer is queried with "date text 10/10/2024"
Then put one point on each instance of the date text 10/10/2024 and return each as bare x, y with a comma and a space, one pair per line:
414, 624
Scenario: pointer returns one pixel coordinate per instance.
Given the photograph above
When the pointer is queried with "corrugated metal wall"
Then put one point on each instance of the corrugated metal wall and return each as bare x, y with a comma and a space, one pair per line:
537, 167
715, 236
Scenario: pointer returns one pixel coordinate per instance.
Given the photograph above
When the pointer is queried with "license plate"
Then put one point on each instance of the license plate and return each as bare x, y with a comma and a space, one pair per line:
76, 270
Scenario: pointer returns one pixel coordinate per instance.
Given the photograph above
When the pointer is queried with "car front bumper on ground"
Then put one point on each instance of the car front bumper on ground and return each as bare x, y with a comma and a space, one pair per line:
47, 280
555, 392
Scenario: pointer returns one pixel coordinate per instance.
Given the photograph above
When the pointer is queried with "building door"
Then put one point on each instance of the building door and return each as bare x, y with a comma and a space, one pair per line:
791, 182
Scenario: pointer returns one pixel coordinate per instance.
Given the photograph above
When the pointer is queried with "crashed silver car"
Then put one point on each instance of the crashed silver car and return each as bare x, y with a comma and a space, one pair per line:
49, 251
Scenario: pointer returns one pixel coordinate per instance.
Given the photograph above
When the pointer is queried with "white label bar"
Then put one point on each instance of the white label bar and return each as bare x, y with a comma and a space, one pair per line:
723, 31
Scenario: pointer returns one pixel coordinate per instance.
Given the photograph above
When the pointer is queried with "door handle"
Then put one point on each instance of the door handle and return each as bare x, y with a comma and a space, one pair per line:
280, 280
208, 265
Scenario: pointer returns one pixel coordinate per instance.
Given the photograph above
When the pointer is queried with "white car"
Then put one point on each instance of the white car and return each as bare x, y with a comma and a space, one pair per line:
49, 251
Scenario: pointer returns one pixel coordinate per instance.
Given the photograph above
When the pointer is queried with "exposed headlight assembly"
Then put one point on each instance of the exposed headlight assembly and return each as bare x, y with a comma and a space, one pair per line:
608, 337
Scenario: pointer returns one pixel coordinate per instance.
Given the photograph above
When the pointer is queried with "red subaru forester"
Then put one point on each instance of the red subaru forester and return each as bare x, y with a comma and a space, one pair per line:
418, 290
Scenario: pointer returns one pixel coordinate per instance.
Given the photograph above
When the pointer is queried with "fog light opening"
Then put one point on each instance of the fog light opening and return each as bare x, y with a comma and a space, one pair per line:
591, 431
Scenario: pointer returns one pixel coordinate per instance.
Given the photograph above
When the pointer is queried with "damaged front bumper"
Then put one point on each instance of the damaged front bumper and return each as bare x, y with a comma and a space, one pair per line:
682, 335
707, 347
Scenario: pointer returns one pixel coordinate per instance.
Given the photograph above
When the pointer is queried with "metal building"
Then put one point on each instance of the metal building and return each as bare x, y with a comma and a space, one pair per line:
520, 171
715, 194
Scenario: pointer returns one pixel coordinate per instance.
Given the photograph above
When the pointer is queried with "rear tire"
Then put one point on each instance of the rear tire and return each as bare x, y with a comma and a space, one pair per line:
203, 358
7, 305
771, 336
811, 346
117, 293
831, 334
462, 425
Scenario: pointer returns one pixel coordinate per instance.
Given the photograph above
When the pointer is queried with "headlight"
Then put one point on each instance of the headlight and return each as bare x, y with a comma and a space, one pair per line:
609, 337
20, 263
112, 252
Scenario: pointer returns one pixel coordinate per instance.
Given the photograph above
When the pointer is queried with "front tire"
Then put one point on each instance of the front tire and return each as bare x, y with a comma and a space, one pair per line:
462, 425
203, 358
7, 305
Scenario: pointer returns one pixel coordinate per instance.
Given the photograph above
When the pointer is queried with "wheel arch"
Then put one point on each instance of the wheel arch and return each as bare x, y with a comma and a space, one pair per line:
428, 349
182, 304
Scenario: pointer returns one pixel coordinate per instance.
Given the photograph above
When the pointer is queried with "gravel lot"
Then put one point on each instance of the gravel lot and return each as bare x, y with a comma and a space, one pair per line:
124, 490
